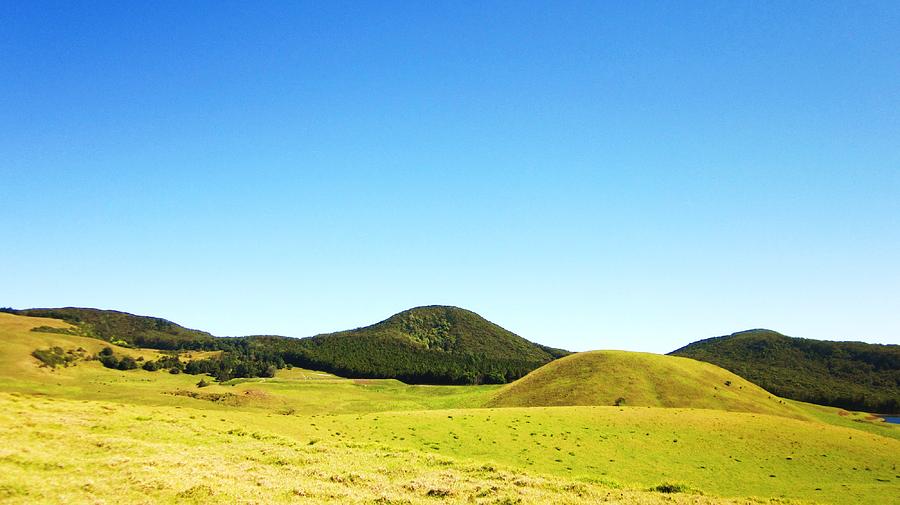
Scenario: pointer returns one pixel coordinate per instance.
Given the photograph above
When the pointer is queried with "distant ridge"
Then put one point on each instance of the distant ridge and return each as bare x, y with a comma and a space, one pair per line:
122, 327
850, 375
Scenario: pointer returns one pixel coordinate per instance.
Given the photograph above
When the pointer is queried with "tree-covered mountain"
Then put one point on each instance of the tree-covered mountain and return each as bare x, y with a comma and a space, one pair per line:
434, 345
430, 345
851, 375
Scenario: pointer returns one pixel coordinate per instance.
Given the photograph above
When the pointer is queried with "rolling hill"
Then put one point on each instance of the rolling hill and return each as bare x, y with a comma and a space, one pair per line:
850, 375
635, 379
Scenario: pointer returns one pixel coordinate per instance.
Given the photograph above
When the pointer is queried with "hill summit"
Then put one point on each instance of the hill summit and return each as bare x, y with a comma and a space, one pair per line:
455, 330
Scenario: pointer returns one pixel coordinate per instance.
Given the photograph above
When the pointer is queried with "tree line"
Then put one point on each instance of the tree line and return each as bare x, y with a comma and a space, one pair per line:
234, 363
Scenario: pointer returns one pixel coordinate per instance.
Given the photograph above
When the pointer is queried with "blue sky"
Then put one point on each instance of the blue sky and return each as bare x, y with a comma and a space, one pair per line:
590, 175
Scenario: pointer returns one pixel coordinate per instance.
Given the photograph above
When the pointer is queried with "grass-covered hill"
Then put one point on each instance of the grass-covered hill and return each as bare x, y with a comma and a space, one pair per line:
636, 379
851, 375
430, 345
434, 344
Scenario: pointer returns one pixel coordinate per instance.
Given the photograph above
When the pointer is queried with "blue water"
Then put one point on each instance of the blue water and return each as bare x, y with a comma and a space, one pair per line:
894, 420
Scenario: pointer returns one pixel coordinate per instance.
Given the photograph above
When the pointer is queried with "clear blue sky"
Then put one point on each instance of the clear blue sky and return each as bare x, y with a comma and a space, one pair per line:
589, 175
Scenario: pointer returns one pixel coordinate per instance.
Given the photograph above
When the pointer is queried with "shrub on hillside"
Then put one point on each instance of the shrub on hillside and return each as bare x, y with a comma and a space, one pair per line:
127, 363
60, 331
109, 360
671, 487
56, 356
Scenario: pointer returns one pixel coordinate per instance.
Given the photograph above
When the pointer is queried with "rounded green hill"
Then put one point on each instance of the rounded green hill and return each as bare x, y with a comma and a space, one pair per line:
638, 379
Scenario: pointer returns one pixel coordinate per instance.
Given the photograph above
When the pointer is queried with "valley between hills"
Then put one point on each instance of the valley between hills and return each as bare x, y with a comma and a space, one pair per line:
433, 405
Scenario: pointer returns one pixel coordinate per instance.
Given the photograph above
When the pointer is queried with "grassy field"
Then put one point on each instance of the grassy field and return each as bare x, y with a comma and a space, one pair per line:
101, 452
764, 456
86, 434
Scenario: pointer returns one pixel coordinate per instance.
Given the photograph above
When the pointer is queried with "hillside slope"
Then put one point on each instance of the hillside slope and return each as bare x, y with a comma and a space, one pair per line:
20, 370
122, 327
433, 345
605, 378
850, 375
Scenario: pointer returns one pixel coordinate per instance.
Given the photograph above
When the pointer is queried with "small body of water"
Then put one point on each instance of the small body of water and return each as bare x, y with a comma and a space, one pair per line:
892, 419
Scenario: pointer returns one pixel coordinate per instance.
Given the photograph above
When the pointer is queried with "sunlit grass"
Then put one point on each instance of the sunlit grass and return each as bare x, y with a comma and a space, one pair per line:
97, 452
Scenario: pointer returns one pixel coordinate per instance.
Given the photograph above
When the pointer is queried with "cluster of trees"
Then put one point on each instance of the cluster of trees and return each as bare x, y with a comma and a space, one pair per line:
226, 366
171, 363
109, 360
233, 365
849, 375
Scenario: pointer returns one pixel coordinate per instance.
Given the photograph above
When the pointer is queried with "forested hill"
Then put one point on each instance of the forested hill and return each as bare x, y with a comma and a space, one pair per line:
434, 344
430, 345
851, 375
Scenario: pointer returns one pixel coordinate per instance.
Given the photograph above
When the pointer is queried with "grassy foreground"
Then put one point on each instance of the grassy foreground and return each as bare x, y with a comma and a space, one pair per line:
101, 452
86, 434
